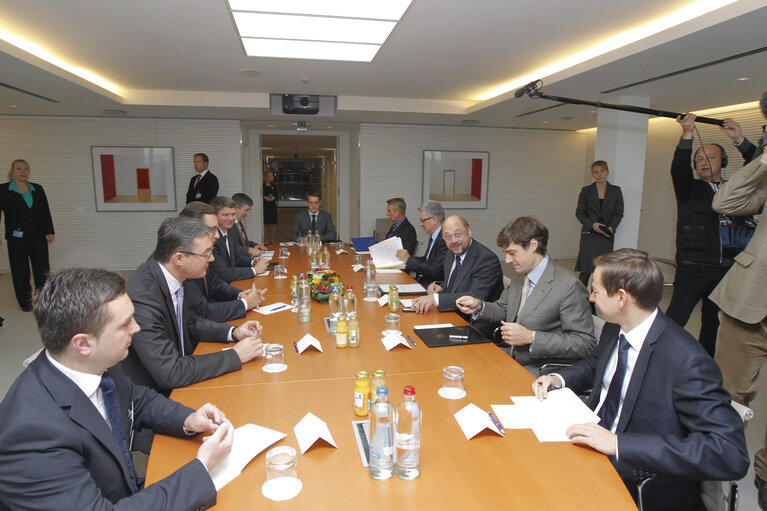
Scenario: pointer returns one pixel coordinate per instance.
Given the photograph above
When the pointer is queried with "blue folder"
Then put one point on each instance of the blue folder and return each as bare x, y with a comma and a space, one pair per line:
363, 244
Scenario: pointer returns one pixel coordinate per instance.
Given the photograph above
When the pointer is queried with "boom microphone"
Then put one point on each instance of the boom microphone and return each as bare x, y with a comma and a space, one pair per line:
521, 92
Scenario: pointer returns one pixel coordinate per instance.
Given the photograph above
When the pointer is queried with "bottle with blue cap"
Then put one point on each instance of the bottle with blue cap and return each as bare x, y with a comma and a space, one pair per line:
381, 464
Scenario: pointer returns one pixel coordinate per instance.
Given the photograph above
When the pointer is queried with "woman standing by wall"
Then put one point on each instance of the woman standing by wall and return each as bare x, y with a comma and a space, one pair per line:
28, 230
270, 207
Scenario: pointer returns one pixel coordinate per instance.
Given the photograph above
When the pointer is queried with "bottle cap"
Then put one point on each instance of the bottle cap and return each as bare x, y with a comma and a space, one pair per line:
382, 391
409, 390
348, 287
362, 375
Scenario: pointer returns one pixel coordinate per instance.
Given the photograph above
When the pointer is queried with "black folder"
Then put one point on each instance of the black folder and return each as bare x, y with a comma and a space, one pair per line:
450, 336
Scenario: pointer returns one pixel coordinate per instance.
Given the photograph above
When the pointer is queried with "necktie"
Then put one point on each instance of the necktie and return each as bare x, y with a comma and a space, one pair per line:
179, 319
455, 271
228, 253
197, 181
242, 235
428, 248
314, 223
107, 387
609, 409
205, 285
525, 292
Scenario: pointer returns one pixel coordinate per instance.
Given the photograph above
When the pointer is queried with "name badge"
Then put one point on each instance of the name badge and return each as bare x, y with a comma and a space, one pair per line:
198, 196
18, 233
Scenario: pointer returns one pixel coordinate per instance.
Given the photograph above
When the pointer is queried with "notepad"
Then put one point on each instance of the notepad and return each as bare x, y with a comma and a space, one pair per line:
272, 308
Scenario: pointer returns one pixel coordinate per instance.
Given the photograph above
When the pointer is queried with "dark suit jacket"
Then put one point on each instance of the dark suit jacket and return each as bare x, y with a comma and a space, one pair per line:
155, 358
589, 211
205, 191
229, 265
58, 452
214, 299
676, 423
238, 228
36, 221
480, 276
407, 234
431, 269
324, 224
557, 310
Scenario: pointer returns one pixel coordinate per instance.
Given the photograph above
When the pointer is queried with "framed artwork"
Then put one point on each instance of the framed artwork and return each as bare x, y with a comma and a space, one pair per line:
457, 179
134, 178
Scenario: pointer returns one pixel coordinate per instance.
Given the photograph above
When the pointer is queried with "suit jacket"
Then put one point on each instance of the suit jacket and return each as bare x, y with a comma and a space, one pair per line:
741, 294
557, 310
36, 221
206, 191
676, 423
58, 452
480, 276
228, 264
214, 299
429, 269
242, 249
154, 359
323, 223
589, 210
407, 234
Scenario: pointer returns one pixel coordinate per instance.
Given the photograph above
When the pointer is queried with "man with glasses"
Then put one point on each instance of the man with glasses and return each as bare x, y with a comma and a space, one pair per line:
471, 270
428, 267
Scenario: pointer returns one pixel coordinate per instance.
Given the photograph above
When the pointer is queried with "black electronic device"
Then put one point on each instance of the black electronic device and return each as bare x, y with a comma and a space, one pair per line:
450, 336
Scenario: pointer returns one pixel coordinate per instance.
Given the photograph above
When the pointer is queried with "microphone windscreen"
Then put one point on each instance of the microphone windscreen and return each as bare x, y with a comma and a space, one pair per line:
763, 103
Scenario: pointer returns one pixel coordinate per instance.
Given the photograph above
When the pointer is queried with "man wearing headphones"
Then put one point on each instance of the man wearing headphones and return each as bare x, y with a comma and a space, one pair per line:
703, 249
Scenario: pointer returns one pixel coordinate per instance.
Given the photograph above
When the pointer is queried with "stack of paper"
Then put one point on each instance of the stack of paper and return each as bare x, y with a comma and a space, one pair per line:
249, 440
384, 254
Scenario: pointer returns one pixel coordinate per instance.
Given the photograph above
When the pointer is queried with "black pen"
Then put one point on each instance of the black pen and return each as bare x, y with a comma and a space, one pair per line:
411, 340
551, 387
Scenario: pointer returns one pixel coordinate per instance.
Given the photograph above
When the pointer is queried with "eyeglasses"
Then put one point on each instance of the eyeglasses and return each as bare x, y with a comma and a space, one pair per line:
423, 220
205, 256
457, 235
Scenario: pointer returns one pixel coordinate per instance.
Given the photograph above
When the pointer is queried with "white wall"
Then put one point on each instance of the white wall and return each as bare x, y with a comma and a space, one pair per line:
531, 172
58, 150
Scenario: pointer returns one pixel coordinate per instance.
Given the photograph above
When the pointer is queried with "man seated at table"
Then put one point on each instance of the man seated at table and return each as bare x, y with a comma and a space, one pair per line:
161, 356
428, 267
472, 269
395, 210
242, 206
209, 296
544, 313
227, 263
313, 219
663, 412
66, 422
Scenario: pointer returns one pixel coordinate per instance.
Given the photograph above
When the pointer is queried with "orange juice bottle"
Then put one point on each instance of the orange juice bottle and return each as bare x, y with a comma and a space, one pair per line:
361, 394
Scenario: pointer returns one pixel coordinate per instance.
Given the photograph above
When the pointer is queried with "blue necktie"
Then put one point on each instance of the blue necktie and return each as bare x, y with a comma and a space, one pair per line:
179, 319
455, 271
107, 387
609, 409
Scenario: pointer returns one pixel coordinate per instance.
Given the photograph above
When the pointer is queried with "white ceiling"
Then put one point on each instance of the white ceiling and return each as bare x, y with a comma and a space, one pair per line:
182, 58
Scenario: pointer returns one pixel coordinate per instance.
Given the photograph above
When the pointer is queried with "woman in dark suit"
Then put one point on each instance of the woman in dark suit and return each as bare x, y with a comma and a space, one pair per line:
600, 210
270, 207
28, 230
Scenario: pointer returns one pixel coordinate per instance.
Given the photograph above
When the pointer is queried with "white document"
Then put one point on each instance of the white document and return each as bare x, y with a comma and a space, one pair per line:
362, 251
391, 340
287, 243
264, 273
341, 251
406, 302
512, 416
551, 417
249, 440
404, 289
306, 341
384, 254
439, 325
473, 419
387, 270
310, 429
383, 300
357, 267
272, 308
267, 254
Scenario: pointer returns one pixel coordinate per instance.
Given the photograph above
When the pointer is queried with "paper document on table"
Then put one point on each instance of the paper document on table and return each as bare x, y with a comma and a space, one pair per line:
404, 289
272, 308
513, 416
473, 419
384, 254
267, 254
287, 243
438, 325
357, 267
406, 302
387, 270
306, 341
249, 440
310, 429
551, 417
263, 273
391, 340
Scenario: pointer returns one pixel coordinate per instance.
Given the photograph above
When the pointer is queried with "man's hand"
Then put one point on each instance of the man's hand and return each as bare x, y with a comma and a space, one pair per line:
434, 288
469, 304
253, 296
249, 349
217, 446
515, 334
49, 237
248, 329
259, 265
542, 384
422, 304
595, 436
403, 254
254, 251
597, 227
732, 130
207, 418
688, 125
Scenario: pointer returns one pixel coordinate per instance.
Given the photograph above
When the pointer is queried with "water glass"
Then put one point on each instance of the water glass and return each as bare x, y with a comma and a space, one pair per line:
391, 324
452, 381
284, 254
274, 355
301, 241
282, 482
280, 272
357, 258
371, 292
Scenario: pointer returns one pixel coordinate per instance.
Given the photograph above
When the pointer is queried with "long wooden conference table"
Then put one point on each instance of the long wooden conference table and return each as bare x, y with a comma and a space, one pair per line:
486, 472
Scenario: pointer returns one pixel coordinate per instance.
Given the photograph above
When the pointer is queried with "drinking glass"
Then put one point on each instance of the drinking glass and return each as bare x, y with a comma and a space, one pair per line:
391, 324
282, 482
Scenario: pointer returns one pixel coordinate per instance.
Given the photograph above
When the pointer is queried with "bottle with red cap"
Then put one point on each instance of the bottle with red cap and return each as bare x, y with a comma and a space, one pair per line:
408, 427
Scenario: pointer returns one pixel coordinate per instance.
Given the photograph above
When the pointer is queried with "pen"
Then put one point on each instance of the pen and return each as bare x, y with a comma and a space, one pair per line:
551, 387
497, 424
295, 346
217, 423
278, 308
411, 340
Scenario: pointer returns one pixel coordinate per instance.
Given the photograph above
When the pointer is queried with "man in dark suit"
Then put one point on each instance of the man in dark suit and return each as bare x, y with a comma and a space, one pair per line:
471, 270
313, 219
67, 421
161, 356
544, 313
395, 210
242, 206
203, 186
663, 412
428, 267
228, 264
209, 296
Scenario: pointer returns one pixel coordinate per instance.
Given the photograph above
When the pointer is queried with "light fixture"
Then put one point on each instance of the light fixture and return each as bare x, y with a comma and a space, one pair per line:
314, 50
379, 10
743, 78
312, 28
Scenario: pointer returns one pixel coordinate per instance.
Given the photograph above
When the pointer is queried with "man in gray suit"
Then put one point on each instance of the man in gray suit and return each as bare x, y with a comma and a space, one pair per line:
313, 219
544, 312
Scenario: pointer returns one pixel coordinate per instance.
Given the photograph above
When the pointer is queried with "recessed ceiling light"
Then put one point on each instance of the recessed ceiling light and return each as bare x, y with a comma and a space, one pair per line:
592, 111
314, 50
545, 122
312, 28
330, 127
11, 106
271, 125
250, 73
380, 10
743, 78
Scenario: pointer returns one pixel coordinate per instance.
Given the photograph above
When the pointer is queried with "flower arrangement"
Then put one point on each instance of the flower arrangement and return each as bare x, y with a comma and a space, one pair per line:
322, 285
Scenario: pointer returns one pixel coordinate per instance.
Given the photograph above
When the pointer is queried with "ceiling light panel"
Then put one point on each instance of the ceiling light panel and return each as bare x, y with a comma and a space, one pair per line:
315, 50
379, 10
309, 28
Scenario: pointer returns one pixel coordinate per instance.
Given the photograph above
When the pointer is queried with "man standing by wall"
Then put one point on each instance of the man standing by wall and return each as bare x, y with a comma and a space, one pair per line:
203, 186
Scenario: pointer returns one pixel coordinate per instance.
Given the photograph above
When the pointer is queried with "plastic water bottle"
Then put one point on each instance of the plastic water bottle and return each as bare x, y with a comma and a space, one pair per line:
381, 465
350, 302
304, 300
408, 425
325, 259
335, 303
